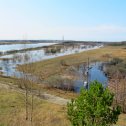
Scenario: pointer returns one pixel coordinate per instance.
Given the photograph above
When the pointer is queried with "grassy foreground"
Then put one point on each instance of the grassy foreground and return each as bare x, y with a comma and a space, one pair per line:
12, 111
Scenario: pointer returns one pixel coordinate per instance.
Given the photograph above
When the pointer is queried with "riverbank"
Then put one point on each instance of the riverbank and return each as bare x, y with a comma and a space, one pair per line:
58, 65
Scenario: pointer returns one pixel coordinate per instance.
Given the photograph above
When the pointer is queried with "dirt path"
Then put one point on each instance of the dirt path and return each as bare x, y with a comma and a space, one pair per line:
54, 99
42, 95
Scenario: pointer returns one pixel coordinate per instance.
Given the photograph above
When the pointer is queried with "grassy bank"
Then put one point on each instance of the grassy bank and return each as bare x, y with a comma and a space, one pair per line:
38, 87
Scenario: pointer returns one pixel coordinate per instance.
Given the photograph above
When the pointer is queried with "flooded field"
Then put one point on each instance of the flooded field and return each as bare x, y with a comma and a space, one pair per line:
10, 62
4, 48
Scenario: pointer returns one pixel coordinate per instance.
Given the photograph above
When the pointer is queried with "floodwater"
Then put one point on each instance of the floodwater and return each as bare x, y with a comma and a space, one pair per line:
4, 48
9, 66
96, 72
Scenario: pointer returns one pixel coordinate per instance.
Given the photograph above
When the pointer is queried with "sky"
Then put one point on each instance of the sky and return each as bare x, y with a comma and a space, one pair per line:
87, 20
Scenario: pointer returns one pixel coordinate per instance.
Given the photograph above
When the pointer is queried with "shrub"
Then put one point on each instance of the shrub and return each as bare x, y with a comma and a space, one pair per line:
115, 61
60, 83
93, 107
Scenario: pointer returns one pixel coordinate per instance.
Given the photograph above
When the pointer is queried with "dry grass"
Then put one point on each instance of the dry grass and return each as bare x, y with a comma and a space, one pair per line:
5, 79
122, 120
39, 88
61, 93
12, 111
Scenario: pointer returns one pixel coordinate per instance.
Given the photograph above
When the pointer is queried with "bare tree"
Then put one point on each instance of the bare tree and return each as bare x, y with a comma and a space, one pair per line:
29, 81
118, 87
26, 81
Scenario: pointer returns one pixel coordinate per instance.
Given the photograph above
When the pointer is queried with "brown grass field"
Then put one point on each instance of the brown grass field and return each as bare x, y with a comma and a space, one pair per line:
12, 111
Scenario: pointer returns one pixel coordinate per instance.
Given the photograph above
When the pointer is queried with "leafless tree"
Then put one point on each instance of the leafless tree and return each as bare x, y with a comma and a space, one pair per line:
118, 87
26, 81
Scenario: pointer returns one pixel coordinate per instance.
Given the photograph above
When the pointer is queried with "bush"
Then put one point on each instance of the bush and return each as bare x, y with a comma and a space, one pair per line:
52, 50
107, 55
115, 61
63, 63
60, 83
116, 65
93, 107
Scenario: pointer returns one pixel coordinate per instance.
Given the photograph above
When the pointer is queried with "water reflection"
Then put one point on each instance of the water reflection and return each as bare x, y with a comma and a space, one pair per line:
4, 48
95, 73
11, 61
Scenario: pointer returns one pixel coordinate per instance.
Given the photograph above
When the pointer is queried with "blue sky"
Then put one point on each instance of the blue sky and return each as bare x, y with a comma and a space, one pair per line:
97, 20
